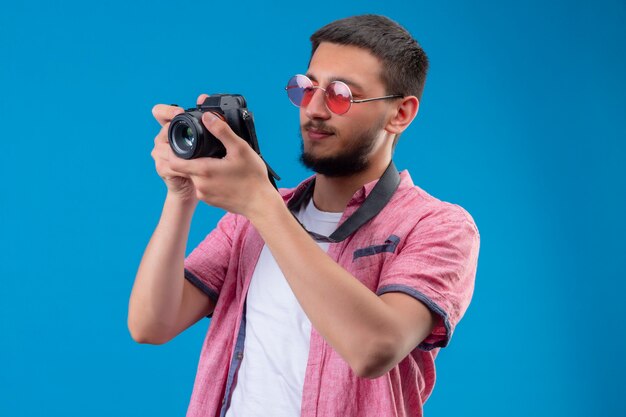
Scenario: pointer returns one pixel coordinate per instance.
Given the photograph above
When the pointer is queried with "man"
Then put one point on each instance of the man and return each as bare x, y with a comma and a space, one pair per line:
331, 299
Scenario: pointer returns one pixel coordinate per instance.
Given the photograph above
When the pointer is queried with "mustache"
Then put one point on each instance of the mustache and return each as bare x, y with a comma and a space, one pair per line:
319, 126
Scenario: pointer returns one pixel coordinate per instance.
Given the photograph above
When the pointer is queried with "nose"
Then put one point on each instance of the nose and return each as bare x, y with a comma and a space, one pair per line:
316, 109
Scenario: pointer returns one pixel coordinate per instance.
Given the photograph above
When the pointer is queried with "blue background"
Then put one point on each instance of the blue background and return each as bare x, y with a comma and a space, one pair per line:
522, 123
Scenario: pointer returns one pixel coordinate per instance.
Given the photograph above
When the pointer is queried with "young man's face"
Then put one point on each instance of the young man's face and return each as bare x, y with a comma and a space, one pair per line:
346, 144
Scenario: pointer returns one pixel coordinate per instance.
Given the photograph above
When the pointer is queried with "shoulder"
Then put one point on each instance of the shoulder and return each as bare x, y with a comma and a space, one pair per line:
423, 208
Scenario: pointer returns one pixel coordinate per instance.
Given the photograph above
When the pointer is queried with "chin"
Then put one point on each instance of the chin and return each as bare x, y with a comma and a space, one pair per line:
335, 166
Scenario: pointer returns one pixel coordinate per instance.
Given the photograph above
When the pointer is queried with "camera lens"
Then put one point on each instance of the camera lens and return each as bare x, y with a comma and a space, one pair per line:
188, 137
183, 137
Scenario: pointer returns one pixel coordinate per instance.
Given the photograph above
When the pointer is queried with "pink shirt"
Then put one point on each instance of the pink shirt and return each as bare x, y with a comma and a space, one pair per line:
417, 245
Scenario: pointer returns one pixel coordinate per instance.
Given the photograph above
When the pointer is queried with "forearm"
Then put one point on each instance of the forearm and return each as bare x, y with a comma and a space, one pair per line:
350, 317
158, 289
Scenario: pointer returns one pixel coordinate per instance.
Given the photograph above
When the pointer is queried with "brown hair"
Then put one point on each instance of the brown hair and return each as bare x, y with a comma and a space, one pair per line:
404, 62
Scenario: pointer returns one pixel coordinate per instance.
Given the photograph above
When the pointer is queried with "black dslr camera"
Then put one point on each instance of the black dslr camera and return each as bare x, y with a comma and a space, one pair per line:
189, 138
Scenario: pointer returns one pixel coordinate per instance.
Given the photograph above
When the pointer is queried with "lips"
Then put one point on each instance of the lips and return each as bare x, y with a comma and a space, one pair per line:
317, 133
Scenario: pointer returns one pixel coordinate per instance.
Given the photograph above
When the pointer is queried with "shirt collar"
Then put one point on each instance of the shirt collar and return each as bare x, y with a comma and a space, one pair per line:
291, 196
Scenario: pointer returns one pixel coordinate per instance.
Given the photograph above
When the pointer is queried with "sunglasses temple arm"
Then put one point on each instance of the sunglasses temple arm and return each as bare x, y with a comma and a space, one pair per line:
365, 100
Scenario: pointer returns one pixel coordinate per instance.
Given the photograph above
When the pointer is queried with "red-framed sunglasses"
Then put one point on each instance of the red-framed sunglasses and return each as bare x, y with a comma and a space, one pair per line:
337, 94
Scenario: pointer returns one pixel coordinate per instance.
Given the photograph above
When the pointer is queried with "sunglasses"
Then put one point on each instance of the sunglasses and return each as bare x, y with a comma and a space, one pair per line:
337, 94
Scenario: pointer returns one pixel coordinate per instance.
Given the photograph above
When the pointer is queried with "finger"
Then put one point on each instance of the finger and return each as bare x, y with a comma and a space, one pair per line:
162, 158
221, 130
201, 99
201, 167
161, 151
170, 173
165, 113
161, 137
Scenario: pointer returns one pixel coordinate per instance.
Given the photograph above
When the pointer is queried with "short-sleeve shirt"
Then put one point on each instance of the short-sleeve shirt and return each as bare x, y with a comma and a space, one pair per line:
417, 245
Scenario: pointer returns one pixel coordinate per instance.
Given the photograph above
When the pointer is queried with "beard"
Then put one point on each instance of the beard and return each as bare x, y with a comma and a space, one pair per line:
353, 159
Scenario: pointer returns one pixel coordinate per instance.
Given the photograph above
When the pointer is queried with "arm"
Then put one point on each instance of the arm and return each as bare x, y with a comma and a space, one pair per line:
371, 333
163, 303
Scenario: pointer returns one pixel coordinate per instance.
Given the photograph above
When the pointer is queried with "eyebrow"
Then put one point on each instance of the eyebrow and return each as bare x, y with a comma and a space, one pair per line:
350, 83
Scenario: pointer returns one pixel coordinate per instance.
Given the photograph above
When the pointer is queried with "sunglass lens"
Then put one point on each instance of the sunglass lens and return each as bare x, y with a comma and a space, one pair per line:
338, 97
296, 89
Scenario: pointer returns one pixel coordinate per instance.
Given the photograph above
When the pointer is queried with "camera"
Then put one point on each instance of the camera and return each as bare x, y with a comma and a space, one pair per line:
189, 138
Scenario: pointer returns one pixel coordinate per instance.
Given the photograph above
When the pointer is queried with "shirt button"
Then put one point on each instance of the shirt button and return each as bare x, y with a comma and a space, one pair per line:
240, 355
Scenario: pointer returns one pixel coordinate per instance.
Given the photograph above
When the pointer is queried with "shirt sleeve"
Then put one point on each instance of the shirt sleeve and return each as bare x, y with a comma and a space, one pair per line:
437, 266
207, 264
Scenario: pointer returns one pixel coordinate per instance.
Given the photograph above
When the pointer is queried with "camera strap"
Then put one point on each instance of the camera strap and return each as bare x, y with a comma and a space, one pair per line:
373, 204
272, 175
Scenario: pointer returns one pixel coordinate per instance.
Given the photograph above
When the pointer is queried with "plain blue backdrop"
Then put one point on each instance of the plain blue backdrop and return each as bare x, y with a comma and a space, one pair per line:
522, 123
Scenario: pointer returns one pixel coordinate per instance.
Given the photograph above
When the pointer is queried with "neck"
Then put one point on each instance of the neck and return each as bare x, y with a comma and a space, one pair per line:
332, 194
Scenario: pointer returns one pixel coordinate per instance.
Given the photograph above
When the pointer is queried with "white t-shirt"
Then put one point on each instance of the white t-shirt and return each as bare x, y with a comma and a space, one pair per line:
276, 348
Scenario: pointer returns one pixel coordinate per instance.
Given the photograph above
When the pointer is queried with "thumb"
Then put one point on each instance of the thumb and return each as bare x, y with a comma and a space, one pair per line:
221, 130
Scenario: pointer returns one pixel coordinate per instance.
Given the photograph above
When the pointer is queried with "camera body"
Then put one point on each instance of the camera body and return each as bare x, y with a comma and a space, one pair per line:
189, 138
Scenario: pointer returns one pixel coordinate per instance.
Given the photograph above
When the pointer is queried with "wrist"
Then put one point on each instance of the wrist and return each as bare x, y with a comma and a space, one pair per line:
180, 201
265, 203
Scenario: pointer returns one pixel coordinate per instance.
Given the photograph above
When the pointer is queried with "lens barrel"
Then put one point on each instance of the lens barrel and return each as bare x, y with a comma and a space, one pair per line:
189, 138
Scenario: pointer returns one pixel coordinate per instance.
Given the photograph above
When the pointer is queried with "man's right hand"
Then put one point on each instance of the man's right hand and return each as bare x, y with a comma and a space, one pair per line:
163, 303
178, 184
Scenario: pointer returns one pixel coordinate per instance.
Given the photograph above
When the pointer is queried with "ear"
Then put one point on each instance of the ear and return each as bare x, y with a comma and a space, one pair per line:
404, 114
